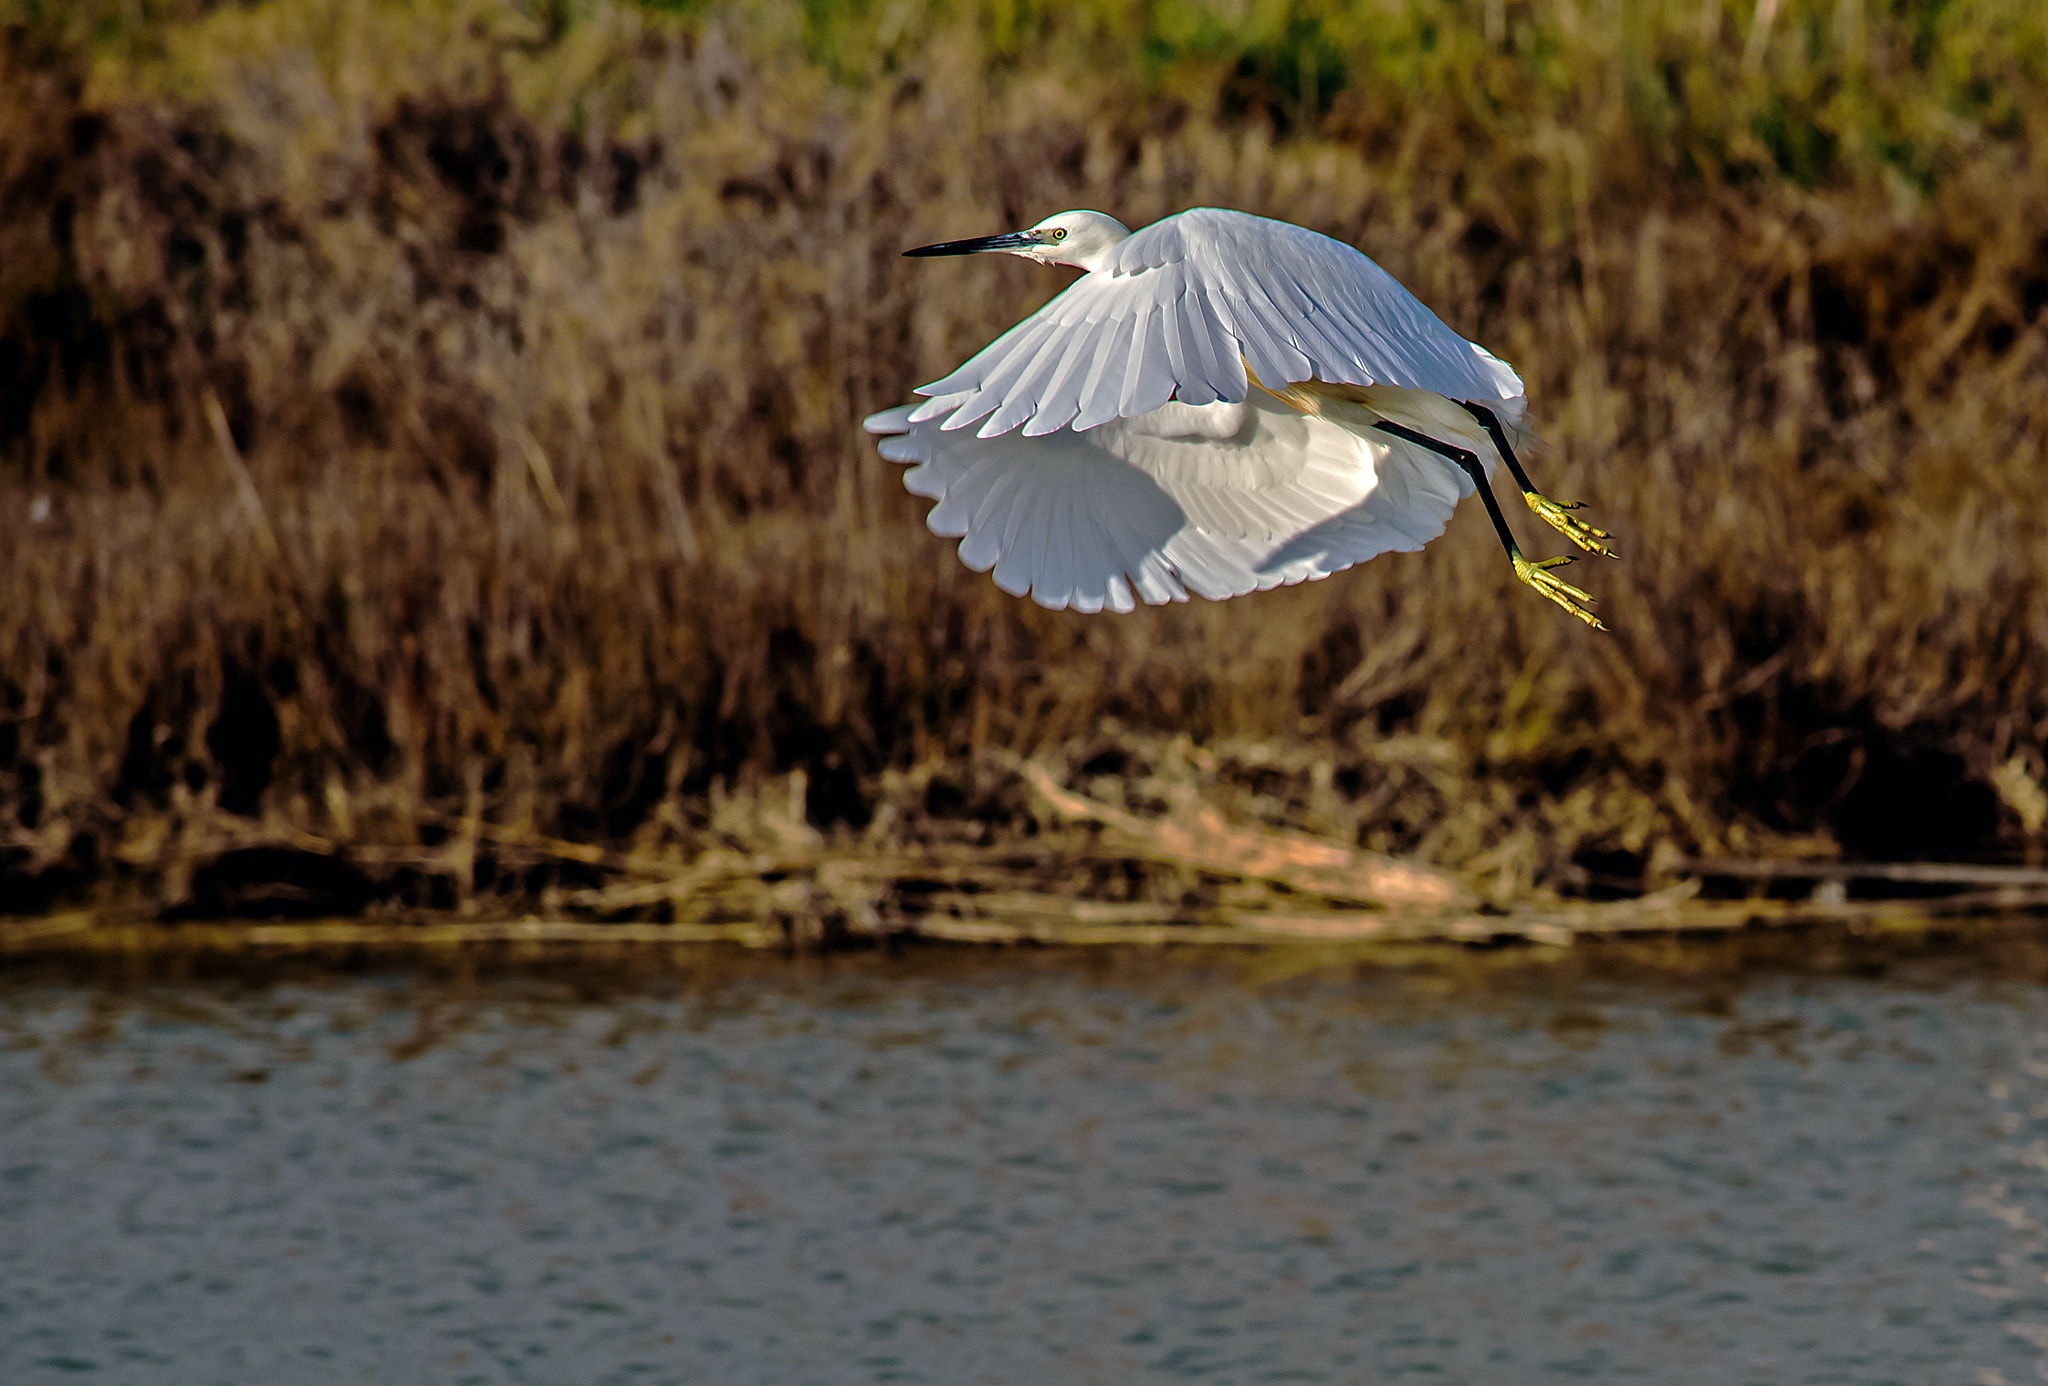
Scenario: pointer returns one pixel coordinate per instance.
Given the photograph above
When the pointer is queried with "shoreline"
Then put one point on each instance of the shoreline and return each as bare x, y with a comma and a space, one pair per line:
797, 916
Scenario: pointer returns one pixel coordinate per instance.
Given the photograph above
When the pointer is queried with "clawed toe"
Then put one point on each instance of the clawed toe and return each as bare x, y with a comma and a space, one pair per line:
1557, 515
1539, 576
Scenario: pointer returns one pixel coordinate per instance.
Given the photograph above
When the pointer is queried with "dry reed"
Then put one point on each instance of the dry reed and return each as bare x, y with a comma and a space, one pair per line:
427, 425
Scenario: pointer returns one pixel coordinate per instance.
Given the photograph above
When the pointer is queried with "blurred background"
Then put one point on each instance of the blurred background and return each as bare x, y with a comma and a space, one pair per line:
430, 427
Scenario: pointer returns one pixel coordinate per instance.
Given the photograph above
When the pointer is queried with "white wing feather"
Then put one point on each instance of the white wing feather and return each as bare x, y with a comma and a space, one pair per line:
1184, 305
1219, 499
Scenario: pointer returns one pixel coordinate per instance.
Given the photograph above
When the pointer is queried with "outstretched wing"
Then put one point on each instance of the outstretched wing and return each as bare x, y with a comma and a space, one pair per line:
1220, 499
1184, 306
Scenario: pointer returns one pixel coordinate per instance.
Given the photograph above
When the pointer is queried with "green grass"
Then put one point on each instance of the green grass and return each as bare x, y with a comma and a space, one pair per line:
542, 334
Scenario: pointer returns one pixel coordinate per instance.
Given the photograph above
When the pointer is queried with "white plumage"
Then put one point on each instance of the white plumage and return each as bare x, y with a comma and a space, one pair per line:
1222, 404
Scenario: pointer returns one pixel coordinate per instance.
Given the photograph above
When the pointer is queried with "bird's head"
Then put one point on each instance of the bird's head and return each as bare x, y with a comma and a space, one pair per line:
1080, 239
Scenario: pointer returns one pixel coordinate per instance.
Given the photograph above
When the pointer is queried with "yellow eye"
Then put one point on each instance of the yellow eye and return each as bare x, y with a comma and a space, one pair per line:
1059, 233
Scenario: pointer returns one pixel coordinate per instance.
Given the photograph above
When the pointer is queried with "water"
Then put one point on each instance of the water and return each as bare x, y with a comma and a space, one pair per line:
1029, 1171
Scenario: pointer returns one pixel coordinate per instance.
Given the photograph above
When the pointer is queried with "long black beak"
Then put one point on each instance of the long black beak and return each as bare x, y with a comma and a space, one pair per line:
1009, 240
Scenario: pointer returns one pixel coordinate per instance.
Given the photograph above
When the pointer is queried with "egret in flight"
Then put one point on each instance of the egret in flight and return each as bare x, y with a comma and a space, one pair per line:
1221, 403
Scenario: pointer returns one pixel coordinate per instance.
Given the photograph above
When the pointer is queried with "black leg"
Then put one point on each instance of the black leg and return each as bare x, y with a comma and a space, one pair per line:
1556, 514
1538, 574
1500, 440
1469, 462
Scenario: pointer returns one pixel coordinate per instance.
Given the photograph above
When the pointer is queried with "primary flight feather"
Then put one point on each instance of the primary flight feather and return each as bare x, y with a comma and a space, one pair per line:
1221, 404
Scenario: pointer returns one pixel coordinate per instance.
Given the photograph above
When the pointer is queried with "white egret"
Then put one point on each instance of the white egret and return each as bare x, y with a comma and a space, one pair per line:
1222, 404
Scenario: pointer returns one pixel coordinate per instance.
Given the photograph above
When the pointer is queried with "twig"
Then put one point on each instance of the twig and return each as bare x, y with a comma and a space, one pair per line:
541, 844
1930, 873
1200, 838
101, 937
245, 485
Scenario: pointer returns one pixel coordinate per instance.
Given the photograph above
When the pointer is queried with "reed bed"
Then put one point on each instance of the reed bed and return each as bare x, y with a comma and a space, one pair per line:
427, 429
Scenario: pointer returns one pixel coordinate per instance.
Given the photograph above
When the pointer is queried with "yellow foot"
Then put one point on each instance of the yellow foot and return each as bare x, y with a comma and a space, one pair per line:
1539, 576
1559, 517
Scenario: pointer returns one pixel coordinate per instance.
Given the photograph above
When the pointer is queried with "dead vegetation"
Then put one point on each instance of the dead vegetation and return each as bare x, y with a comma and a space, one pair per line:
427, 432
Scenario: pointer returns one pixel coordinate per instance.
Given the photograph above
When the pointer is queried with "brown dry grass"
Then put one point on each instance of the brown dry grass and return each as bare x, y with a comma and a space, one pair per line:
422, 417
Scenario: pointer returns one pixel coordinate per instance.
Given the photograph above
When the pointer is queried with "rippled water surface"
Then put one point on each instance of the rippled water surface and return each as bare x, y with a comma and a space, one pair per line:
1049, 1170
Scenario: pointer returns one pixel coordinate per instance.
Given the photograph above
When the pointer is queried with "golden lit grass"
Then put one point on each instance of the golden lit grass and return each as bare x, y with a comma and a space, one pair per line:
429, 414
